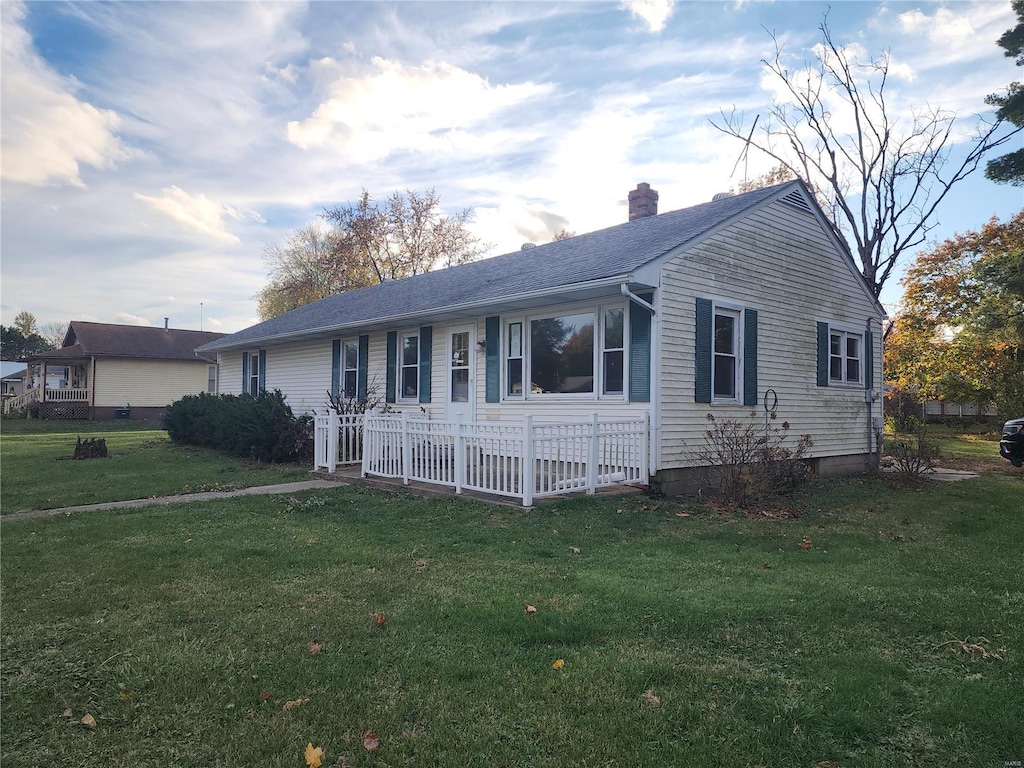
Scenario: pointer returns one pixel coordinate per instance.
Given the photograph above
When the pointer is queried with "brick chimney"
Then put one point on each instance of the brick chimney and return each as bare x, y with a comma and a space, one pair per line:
643, 201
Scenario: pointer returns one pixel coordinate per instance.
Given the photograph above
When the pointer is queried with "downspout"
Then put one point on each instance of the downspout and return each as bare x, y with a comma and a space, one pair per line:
653, 456
633, 297
869, 394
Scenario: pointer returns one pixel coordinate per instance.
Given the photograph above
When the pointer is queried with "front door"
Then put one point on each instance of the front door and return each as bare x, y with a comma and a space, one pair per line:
461, 373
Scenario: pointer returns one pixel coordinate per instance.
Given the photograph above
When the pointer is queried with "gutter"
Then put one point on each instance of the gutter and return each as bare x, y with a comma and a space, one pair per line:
309, 333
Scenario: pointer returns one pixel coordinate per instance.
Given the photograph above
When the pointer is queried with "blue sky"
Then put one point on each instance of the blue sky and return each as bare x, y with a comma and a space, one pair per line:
151, 150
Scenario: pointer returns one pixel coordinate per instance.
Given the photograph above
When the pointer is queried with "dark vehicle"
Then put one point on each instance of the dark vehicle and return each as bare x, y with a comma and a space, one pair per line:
1011, 445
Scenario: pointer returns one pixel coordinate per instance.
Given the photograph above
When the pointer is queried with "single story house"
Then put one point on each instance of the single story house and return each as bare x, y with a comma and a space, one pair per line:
715, 309
106, 371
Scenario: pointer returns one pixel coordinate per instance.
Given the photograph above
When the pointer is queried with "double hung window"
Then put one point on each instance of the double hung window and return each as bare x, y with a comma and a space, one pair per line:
253, 384
409, 366
349, 368
726, 357
845, 355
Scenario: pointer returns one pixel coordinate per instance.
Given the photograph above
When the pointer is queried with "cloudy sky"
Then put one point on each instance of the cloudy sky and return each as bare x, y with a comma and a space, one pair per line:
151, 150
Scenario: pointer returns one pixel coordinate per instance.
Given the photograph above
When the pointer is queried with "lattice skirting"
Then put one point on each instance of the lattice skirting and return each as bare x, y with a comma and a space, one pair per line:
63, 410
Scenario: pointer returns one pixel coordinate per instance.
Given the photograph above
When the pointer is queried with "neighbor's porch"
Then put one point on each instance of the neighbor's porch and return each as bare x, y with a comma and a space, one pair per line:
521, 460
59, 390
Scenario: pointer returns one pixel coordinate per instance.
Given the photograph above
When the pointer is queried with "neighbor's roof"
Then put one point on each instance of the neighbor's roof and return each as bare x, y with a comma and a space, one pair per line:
9, 369
608, 254
129, 341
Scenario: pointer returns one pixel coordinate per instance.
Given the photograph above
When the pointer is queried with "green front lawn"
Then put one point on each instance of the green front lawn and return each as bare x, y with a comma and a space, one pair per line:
38, 472
884, 627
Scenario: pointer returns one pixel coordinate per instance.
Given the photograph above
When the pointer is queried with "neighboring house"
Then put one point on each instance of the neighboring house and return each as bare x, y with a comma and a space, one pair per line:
107, 371
705, 310
12, 379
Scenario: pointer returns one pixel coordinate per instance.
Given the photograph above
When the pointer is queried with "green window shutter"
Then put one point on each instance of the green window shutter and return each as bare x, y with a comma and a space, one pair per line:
823, 354
263, 370
391, 381
702, 353
640, 351
362, 370
869, 360
426, 345
492, 379
245, 373
750, 357
335, 368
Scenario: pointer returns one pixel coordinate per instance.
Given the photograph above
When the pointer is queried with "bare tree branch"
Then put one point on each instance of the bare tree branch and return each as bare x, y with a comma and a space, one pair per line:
880, 175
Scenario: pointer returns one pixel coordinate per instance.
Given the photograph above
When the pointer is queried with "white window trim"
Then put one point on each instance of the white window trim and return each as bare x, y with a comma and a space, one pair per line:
845, 331
214, 377
399, 389
737, 312
598, 311
342, 369
524, 330
254, 373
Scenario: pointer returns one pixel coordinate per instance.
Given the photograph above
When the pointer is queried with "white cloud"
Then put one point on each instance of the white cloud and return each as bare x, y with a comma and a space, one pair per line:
198, 212
941, 27
655, 13
48, 133
433, 108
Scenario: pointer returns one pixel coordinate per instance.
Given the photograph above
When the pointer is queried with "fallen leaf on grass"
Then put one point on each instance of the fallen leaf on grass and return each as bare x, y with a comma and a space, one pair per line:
265, 695
826, 764
421, 564
126, 693
371, 741
805, 543
314, 648
88, 721
651, 699
290, 705
558, 663
68, 712
682, 514
530, 608
381, 620
314, 755
574, 550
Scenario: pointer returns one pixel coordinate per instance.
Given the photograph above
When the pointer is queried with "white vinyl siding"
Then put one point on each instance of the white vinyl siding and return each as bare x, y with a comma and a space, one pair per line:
147, 383
779, 261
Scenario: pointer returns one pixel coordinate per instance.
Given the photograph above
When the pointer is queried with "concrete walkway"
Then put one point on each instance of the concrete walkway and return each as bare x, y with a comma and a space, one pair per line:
258, 490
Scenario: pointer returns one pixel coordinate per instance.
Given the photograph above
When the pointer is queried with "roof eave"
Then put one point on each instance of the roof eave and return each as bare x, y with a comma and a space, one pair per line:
409, 318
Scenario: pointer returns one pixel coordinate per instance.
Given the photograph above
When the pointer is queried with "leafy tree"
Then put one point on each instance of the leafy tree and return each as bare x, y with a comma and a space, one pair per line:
365, 244
16, 345
882, 174
960, 333
26, 323
1009, 169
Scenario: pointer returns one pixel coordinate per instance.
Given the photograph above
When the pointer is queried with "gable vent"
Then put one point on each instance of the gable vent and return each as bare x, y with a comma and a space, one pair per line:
797, 200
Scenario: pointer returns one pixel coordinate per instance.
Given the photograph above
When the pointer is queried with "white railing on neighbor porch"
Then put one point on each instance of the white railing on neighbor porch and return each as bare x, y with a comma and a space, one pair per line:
53, 395
523, 460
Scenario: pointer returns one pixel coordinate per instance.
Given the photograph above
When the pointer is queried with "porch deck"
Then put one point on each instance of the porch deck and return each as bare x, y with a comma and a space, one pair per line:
352, 474
523, 461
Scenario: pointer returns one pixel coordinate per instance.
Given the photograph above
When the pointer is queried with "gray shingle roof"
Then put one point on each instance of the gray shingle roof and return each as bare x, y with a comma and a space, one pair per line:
605, 254
129, 341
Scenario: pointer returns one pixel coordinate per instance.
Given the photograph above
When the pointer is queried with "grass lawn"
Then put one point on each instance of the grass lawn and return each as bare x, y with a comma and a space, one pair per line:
884, 627
38, 473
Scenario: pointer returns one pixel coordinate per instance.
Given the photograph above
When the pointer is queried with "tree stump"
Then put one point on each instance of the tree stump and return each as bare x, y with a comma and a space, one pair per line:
93, 448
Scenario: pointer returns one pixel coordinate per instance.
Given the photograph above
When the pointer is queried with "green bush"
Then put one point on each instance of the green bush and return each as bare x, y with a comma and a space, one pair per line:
261, 427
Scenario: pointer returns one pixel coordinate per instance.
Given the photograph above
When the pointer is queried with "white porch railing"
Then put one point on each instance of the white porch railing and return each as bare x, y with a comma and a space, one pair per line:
521, 460
53, 395
21, 402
